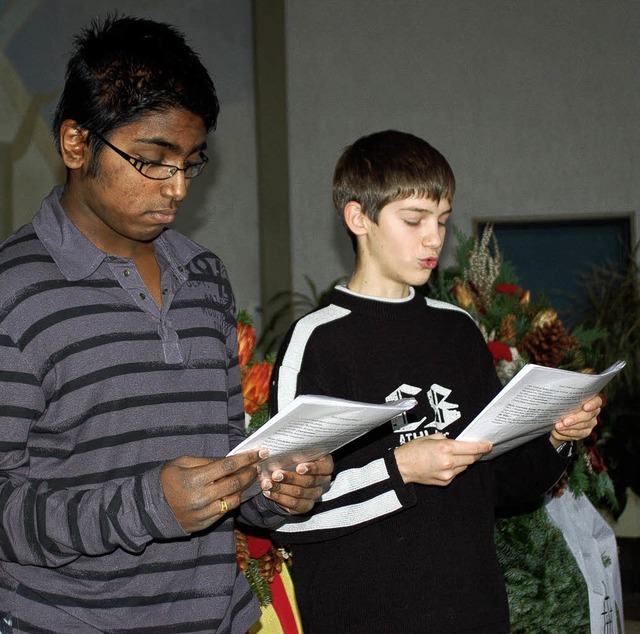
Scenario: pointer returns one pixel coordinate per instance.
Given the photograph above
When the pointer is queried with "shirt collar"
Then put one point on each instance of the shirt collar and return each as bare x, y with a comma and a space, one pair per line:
77, 257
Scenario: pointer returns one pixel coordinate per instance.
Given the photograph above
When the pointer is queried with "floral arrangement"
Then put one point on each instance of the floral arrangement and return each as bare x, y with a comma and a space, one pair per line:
257, 557
517, 332
546, 590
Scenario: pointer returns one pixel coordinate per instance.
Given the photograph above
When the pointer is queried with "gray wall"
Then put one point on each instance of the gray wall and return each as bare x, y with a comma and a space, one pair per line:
536, 103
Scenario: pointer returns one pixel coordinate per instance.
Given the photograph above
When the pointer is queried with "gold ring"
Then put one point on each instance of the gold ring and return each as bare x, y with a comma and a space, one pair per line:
223, 506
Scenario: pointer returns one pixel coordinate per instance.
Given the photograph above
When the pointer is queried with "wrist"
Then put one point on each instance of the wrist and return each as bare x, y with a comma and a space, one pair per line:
403, 465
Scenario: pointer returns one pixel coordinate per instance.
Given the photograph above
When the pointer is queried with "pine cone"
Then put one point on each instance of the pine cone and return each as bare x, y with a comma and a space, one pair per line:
270, 563
508, 330
242, 550
548, 344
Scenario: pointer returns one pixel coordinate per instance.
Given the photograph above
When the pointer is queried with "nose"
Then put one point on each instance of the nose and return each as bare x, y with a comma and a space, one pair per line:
433, 236
175, 187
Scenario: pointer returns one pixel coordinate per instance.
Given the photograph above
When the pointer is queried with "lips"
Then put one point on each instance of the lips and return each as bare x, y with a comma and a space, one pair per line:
429, 263
164, 216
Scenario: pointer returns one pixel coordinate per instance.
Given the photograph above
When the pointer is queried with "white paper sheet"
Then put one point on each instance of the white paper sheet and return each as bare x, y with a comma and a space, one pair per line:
530, 404
313, 426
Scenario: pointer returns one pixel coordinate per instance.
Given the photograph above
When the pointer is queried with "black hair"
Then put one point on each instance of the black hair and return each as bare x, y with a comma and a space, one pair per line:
124, 68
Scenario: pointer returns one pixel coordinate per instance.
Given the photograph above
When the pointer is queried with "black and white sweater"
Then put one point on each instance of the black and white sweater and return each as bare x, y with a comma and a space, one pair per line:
376, 555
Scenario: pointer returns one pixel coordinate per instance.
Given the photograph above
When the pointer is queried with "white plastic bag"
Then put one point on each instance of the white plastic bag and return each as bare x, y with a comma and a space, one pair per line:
593, 544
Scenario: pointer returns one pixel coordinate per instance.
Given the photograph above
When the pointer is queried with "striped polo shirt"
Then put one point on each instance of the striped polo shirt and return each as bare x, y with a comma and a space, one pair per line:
99, 386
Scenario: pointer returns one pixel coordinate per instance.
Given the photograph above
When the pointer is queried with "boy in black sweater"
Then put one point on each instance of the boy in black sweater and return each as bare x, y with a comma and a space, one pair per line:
403, 539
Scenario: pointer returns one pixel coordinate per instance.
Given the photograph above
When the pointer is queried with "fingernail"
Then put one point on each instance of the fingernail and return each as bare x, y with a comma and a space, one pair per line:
266, 494
277, 476
263, 453
301, 469
266, 485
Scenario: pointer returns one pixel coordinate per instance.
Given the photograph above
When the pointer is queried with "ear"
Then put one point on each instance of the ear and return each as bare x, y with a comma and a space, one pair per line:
355, 218
73, 144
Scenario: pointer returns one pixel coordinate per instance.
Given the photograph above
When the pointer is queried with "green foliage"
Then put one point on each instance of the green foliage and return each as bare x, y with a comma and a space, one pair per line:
258, 419
583, 480
257, 584
547, 592
613, 305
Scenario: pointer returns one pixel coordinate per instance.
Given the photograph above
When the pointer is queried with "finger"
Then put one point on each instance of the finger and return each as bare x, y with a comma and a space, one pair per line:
292, 498
322, 466
589, 418
220, 498
214, 511
593, 404
221, 467
465, 447
279, 479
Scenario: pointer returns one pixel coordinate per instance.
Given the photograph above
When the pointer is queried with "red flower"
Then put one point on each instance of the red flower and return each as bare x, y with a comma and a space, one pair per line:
246, 343
500, 351
507, 289
595, 457
514, 289
258, 546
255, 386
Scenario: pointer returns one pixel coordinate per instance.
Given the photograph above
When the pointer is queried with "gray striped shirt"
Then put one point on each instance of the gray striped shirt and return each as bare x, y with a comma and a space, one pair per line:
99, 386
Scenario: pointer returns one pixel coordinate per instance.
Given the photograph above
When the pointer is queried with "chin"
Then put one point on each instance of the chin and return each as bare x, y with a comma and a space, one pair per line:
420, 280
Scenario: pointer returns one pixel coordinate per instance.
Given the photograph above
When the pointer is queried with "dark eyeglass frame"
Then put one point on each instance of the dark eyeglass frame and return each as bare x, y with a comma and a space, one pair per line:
191, 171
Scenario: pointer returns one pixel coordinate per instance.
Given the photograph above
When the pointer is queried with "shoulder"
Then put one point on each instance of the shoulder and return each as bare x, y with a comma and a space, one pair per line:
23, 241
312, 328
450, 322
437, 304
23, 261
451, 314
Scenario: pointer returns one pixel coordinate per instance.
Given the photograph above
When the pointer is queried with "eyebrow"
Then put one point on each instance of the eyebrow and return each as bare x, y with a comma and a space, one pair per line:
428, 211
172, 147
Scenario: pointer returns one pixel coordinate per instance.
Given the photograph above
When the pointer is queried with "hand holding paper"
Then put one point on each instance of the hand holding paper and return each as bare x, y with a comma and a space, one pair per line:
532, 402
311, 427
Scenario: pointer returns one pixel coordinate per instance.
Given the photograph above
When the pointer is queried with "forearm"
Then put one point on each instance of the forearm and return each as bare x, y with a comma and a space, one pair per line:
524, 475
356, 497
46, 527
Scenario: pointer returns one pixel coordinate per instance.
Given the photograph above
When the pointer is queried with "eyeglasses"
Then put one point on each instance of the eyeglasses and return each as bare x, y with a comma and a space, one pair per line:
158, 171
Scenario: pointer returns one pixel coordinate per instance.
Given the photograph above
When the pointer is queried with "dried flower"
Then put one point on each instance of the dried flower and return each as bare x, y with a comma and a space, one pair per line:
484, 268
544, 318
463, 295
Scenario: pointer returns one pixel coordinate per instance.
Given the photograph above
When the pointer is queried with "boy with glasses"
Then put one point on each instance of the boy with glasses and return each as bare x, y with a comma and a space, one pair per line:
118, 368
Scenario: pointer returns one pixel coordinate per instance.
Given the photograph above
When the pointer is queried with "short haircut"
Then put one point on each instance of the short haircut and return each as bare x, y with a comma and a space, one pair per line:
387, 166
124, 68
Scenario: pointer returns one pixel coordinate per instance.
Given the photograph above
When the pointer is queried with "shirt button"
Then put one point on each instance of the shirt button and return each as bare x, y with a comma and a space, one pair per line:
143, 296
126, 272
165, 291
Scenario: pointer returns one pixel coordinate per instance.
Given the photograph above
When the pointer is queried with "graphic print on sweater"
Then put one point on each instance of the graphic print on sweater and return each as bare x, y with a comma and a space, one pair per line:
408, 427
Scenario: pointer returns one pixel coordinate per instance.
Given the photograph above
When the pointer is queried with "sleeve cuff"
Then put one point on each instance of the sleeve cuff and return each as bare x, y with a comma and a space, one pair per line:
406, 492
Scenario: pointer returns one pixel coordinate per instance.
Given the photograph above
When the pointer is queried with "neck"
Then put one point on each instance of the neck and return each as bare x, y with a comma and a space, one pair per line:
387, 290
